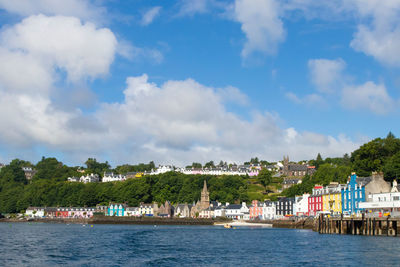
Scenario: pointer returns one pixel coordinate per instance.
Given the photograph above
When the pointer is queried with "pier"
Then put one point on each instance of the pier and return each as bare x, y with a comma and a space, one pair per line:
359, 226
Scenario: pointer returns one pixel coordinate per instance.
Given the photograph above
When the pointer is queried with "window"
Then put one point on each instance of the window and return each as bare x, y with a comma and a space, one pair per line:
396, 198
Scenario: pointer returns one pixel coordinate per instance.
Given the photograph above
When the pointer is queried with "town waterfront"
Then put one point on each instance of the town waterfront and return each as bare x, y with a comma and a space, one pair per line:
46, 244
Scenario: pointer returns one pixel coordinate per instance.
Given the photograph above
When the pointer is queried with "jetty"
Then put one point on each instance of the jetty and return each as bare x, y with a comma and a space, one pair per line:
359, 226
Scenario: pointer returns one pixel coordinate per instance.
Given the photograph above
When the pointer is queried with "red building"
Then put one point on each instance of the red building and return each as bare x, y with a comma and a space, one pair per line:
255, 210
62, 212
315, 201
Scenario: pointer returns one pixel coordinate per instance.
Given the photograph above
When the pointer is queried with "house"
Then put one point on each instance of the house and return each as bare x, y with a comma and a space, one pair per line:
101, 209
207, 213
353, 193
50, 212
255, 210
29, 172
284, 206
62, 212
92, 178
332, 198
296, 170
383, 202
315, 201
73, 179
162, 169
166, 210
132, 211
111, 177
375, 185
148, 209
236, 211
287, 183
35, 212
220, 211
79, 212
300, 207
268, 210
130, 175
116, 209
182, 210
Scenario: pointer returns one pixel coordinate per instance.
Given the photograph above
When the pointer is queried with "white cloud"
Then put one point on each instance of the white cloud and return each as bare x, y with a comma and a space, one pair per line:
326, 74
310, 99
370, 96
82, 50
150, 15
83, 9
261, 24
192, 7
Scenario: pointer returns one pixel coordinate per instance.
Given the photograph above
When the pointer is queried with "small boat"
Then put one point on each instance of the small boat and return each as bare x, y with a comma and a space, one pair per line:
227, 226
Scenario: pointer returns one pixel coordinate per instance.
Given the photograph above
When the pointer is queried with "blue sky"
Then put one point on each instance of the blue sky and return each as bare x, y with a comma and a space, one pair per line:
196, 80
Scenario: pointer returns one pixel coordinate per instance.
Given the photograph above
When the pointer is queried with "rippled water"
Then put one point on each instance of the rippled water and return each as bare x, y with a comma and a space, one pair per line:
40, 244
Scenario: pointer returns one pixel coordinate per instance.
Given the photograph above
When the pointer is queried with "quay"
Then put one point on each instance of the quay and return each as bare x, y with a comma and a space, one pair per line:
359, 226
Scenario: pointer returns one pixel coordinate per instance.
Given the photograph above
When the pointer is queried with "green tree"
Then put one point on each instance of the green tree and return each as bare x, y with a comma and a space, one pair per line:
264, 178
392, 167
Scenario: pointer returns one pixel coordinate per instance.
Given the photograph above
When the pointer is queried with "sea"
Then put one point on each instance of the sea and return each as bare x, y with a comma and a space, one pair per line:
47, 244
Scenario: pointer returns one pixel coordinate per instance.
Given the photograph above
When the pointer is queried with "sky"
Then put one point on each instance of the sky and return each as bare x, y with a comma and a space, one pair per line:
196, 80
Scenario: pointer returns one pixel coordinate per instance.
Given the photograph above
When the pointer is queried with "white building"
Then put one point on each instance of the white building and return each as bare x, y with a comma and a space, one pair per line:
132, 211
300, 206
110, 177
162, 169
236, 211
383, 202
220, 211
92, 178
268, 211
34, 212
73, 179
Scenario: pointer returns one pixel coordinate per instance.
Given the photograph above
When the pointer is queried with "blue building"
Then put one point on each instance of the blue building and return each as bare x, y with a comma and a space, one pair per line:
352, 195
116, 209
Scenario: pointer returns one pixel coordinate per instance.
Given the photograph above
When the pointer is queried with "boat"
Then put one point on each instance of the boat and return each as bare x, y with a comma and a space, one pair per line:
227, 226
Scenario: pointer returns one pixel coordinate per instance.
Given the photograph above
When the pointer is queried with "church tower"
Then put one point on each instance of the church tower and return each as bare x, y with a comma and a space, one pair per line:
205, 197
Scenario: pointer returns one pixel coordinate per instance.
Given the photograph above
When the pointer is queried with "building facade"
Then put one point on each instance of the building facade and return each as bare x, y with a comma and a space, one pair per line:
315, 201
352, 195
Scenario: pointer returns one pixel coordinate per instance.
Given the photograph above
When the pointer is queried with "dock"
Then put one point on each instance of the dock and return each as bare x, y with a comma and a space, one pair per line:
359, 226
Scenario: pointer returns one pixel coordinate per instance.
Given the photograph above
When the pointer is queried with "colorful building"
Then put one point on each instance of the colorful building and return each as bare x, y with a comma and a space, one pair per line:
352, 195
256, 209
116, 209
315, 201
332, 198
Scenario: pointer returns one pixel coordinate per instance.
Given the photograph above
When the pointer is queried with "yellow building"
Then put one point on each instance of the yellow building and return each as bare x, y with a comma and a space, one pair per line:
332, 198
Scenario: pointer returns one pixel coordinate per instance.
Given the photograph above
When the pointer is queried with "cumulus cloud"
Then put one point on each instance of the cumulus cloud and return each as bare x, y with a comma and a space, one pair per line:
81, 50
326, 74
150, 15
370, 96
262, 25
83, 9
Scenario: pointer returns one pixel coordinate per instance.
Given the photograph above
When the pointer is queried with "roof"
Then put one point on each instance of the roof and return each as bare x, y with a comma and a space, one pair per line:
234, 207
297, 167
362, 181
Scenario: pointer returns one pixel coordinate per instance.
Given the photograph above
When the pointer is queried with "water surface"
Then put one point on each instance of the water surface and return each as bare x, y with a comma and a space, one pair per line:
45, 244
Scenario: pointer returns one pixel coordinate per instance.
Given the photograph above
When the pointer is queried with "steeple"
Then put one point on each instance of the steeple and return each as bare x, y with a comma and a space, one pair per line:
205, 197
205, 186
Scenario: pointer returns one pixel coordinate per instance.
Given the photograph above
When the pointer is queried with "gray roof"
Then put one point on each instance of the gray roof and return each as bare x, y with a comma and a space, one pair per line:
297, 167
234, 207
362, 181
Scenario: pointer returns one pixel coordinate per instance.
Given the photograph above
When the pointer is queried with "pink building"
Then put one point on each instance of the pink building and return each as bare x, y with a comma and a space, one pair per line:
255, 210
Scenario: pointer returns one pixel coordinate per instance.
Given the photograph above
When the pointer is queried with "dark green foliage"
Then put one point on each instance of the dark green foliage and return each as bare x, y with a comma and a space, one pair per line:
51, 168
392, 167
264, 178
123, 169
172, 186
374, 155
97, 167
